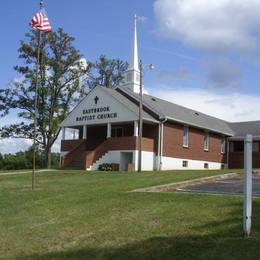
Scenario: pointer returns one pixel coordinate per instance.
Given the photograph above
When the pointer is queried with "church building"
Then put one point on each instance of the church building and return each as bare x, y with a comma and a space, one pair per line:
106, 123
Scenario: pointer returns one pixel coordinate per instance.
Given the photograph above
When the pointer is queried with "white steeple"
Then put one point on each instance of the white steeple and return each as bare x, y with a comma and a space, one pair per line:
133, 64
132, 75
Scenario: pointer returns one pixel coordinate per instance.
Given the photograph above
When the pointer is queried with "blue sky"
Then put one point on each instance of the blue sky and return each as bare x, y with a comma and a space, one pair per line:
206, 53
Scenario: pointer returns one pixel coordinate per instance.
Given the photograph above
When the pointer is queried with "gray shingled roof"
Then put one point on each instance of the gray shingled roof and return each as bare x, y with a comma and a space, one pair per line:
243, 128
129, 104
184, 115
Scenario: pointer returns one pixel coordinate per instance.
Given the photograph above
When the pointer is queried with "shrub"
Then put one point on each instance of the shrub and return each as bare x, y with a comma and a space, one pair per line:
107, 167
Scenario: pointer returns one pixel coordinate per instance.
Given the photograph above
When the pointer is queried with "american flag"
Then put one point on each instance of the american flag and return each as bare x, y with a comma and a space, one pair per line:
41, 22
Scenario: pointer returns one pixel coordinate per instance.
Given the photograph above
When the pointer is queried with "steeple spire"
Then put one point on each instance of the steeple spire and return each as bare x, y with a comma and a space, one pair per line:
132, 75
133, 64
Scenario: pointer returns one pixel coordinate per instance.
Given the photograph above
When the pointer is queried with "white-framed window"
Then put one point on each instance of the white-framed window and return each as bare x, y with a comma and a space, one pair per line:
206, 141
185, 136
223, 145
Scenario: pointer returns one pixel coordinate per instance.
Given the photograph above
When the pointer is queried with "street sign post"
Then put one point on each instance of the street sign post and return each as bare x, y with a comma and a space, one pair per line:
247, 184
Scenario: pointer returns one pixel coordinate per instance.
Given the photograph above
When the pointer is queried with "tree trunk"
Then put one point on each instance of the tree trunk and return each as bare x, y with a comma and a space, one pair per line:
48, 157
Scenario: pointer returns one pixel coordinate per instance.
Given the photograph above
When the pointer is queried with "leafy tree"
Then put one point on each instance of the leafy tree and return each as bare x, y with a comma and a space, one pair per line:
23, 160
62, 78
106, 72
61, 74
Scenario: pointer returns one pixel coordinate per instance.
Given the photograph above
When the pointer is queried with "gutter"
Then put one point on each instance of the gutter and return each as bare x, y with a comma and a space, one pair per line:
160, 144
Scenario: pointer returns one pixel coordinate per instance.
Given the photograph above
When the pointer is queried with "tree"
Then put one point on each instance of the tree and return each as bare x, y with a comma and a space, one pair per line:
106, 72
61, 77
23, 160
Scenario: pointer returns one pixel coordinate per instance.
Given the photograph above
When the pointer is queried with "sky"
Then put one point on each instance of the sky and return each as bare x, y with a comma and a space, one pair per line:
206, 53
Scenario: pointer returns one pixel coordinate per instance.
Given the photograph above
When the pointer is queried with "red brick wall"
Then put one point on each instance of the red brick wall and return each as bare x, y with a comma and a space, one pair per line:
236, 160
151, 132
173, 144
68, 145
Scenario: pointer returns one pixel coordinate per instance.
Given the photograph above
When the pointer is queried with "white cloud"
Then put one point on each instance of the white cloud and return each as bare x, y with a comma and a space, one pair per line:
12, 145
233, 107
213, 25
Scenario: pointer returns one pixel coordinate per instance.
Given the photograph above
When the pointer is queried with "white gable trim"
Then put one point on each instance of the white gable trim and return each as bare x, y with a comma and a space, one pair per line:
108, 109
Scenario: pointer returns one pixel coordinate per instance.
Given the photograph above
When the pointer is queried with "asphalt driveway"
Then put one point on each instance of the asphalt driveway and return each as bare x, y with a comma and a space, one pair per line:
232, 186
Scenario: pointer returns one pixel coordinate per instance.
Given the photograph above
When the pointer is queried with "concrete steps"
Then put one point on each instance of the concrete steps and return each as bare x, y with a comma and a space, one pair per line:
96, 164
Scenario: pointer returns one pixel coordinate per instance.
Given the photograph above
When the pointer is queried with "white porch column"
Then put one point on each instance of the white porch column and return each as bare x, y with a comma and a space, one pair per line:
108, 130
136, 128
63, 132
85, 129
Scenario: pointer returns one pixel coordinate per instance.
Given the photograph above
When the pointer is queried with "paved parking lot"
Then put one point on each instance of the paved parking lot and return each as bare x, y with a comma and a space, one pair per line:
232, 186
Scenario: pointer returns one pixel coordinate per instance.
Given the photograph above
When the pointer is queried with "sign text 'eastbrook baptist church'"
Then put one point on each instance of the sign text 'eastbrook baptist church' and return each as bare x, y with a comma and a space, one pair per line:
96, 113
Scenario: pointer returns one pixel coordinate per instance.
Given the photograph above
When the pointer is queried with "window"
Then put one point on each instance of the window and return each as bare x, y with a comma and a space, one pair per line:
206, 165
128, 77
186, 136
223, 145
255, 147
185, 164
138, 78
206, 141
117, 132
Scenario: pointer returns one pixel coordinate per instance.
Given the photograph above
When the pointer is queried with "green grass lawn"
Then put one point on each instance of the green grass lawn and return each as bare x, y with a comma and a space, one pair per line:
79, 215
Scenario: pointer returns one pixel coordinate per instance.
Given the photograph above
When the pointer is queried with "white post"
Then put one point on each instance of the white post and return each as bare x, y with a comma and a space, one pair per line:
135, 128
108, 130
227, 153
247, 184
161, 147
85, 132
63, 133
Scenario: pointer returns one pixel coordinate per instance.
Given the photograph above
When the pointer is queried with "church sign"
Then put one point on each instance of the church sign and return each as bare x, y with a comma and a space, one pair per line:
96, 114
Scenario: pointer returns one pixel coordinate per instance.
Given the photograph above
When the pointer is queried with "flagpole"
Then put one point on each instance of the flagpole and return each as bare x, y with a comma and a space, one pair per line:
35, 104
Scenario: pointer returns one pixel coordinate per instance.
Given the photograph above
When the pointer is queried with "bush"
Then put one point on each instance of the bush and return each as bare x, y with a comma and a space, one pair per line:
107, 167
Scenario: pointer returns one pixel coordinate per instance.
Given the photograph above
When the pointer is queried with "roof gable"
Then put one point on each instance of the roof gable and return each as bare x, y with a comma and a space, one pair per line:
98, 107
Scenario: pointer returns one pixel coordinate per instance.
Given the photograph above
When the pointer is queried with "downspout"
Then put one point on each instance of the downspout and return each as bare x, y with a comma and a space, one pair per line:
160, 142
228, 153
158, 147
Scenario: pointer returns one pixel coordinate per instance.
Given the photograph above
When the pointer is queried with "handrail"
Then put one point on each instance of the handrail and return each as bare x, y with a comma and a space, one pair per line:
114, 143
111, 144
98, 152
68, 158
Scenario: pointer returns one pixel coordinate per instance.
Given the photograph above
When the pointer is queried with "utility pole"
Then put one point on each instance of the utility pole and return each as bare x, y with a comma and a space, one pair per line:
140, 118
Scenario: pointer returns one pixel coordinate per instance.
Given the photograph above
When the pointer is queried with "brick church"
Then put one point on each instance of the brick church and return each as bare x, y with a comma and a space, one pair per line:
174, 137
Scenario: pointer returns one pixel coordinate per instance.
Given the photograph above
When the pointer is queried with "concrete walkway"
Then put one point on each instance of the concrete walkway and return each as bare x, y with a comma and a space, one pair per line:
23, 172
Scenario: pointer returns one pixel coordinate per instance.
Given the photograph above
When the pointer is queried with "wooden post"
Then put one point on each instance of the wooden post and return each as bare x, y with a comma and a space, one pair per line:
140, 118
